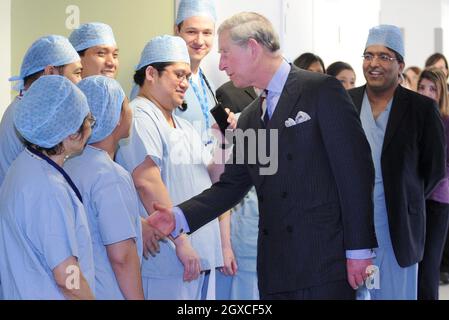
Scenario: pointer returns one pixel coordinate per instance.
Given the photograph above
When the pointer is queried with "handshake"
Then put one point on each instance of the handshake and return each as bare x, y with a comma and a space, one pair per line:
162, 219
162, 222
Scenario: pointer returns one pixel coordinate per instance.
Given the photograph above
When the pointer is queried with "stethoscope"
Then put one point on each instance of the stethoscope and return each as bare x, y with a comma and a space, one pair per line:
184, 106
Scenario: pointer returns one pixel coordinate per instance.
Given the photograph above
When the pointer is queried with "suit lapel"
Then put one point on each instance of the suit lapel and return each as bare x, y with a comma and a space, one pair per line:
287, 102
251, 93
256, 120
357, 97
398, 110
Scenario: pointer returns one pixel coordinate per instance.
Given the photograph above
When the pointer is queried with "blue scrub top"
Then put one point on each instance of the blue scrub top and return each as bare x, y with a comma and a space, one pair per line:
195, 115
112, 207
181, 158
245, 230
375, 133
10, 141
42, 224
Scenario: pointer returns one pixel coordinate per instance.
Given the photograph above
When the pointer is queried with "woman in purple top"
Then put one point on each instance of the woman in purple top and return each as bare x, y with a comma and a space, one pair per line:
432, 83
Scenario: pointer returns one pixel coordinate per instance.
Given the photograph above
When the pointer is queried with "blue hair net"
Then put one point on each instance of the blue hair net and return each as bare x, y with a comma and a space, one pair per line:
105, 97
164, 49
388, 36
195, 8
51, 109
92, 34
50, 50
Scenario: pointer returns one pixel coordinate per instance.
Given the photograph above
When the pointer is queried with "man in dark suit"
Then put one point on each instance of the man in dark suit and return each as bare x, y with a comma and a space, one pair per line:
316, 224
407, 140
236, 99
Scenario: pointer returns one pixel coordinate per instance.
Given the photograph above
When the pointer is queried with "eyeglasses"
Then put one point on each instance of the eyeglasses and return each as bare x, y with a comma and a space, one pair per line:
382, 57
179, 75
182, 77
92, 120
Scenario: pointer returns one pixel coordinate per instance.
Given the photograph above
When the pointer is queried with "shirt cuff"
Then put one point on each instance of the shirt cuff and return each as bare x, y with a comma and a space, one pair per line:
360, 254
181, 223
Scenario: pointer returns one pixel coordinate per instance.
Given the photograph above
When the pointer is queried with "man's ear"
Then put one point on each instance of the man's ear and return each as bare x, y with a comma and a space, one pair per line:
254, 47
50, 70
150, 73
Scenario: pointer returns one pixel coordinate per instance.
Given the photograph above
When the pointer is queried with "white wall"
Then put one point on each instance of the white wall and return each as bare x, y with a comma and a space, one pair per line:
340, 30
333, 29
297, 27
418, 19
337, 29
5, 54
445, 24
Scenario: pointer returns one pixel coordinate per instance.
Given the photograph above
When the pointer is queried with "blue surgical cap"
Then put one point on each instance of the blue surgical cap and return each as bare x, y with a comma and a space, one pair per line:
50, 50
164, 49
92, 34
388, 36
105, 97
52, 109
196, 8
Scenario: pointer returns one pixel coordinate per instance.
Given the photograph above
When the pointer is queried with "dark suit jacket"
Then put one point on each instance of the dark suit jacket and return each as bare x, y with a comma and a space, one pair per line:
413, 162
236, 99
319, 203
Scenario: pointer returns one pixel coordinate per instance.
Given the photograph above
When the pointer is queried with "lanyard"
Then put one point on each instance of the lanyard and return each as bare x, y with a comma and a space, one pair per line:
57, 167
204, 103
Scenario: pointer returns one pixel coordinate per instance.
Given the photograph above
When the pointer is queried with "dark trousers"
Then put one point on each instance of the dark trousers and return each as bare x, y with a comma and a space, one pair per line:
437, 222
445, 259
340, 290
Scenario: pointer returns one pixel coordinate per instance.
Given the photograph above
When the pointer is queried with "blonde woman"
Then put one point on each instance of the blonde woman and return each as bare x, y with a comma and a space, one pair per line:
432, 83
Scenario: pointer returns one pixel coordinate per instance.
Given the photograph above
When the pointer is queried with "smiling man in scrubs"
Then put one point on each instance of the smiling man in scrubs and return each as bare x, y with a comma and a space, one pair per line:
169, 162
96, 45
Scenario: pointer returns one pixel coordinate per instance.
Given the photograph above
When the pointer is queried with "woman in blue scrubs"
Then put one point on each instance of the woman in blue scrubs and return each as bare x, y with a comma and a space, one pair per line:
45, 243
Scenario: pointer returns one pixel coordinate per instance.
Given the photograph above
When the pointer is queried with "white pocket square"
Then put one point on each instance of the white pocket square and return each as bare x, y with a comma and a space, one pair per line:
301, 117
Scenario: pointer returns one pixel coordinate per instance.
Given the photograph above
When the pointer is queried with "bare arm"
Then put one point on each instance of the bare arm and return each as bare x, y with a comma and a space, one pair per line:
151, 188
188, 257
148, 181
126, 265
71, 282
230, 263
149, 185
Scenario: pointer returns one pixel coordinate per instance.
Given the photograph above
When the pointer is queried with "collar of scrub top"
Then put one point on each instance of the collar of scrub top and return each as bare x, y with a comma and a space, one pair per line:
61, 170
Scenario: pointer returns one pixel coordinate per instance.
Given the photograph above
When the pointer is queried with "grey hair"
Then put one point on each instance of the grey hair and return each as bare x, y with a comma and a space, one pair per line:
250, 25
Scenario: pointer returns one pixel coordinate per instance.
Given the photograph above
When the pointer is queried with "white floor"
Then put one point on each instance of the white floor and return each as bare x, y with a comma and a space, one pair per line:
444, 292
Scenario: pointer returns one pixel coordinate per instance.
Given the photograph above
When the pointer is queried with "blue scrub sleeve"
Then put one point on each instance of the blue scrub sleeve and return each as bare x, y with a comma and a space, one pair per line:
146, 141
54, 231
116, 222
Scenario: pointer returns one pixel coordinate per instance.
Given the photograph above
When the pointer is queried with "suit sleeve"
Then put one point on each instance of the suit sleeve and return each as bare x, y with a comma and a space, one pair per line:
432, 162
351, 162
